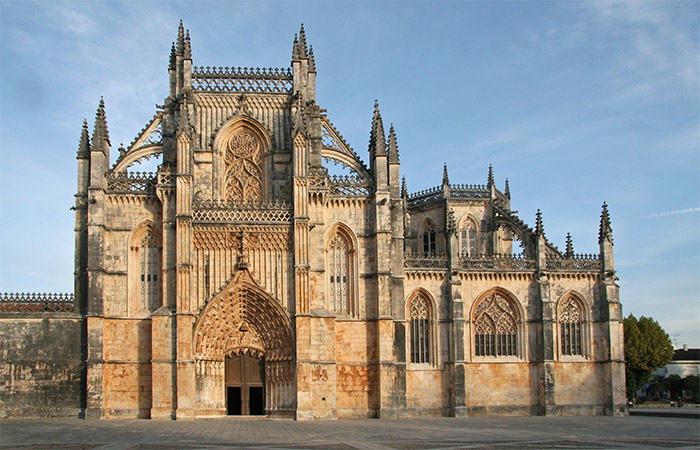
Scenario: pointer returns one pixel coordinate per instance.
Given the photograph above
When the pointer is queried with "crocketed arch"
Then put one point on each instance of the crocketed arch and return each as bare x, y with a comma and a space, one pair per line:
468, 236
341, 265
144, 267
420, 313
497, 324
572, 315
243, 319
241, 146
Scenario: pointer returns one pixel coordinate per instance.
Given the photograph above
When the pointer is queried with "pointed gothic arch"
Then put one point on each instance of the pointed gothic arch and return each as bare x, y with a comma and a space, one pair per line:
341, 267
241, 150
244, 320
428, 237
144, 268
468, 233
573, 317
498, 325
422, 334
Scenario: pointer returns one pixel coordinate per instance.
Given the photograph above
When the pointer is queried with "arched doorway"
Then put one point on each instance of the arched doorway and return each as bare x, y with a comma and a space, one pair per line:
244, 353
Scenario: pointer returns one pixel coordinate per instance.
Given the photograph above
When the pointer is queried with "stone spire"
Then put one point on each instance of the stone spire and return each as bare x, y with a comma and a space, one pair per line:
377, 142
507, 190
300, 50
180, 40
84, 147
489, 182
605, 231
312, 61
393, 146
569, 246
188, 46
445, 177
539, 228
100, 133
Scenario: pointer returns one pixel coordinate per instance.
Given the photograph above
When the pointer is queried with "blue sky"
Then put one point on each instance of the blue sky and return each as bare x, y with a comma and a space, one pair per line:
575, 102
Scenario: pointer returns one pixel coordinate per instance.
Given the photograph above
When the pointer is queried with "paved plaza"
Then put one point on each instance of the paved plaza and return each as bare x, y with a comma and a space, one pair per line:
410, 434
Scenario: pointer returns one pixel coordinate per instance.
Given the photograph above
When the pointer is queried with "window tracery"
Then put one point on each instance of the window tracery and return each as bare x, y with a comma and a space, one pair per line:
149, 268
419, 327
243, 156
338, 271
429, 238
467, 237
571, 321
495, 327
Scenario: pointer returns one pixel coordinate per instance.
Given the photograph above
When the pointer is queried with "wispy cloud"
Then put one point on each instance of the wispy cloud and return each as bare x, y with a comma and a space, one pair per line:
675, 212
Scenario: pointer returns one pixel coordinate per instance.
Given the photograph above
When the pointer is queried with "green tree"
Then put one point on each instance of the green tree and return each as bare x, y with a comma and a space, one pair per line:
674, 386
647, 347
691, 384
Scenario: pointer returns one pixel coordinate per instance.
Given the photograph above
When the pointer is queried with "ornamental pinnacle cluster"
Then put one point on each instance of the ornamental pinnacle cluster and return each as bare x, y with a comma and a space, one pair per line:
247, 276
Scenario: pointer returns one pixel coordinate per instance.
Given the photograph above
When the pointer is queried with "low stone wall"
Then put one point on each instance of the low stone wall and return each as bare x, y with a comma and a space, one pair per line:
40, 364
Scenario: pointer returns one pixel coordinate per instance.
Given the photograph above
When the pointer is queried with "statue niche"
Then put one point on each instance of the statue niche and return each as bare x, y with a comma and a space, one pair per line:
243, 179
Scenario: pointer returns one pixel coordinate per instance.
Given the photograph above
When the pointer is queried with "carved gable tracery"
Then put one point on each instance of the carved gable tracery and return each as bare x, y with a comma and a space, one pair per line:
243, 157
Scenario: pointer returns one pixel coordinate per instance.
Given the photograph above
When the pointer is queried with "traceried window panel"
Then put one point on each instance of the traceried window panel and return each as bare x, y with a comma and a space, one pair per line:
419, 314
243, 156
495, 327
429, 238
467, 237
149, 267
338, 274
571, 326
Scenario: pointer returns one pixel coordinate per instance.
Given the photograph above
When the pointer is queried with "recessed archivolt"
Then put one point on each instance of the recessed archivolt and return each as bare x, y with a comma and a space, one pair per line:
243, 319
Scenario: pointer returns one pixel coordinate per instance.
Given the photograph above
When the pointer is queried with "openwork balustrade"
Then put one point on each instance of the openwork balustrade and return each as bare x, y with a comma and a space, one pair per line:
575, 262
236, 79
496, 262
425, 196
132, 183
28, 302
469, 191
424, 261
220, 211
351, 185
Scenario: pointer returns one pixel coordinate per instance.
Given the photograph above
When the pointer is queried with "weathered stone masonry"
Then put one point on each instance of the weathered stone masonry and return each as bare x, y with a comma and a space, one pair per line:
265, 269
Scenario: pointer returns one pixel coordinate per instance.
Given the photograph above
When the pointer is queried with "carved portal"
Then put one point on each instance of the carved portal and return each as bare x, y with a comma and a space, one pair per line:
243, 157
244, 320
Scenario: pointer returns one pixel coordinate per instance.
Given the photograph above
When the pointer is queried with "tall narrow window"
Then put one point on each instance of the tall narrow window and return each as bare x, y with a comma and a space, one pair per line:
338, 274
496, 327
419, 313
149, 272
429, 238
468, 239
570, 326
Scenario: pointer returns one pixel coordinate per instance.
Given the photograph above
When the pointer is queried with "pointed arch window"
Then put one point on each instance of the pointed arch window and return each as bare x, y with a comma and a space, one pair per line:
149, 267
419, 313
495, 327
467, 238
338, 274
429, 238
571, 327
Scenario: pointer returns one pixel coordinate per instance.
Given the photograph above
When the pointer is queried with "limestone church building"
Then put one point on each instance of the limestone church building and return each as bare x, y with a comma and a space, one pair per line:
247, 277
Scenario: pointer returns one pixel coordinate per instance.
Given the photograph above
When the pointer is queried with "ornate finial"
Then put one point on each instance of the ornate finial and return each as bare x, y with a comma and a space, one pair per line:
539, 228
188, 46
377, 142
569, 246
445, 177
180, 40
393, 146
404, 192
122, 150
100, 132
507, 191
489, 182
312, 61
173, 56
605, 231
84, 147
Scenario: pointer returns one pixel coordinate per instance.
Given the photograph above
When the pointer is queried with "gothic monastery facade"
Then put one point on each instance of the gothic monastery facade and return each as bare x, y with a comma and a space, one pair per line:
245, 278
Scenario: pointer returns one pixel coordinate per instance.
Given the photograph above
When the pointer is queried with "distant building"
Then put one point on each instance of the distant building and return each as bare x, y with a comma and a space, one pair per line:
244, 277
685, 361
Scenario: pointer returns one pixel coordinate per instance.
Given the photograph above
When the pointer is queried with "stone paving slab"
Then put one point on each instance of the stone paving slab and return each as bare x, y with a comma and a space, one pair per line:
411, 434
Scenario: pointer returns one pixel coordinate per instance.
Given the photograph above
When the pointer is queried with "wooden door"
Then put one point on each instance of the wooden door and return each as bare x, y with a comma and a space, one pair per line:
245, 385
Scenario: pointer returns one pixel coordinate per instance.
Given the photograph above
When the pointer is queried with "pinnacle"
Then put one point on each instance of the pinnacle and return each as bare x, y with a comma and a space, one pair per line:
404, 192
100, 131
490, 179
507, 190
84, 147
173, 56
180, 40
377, 143
605, 230
569, 246
188, 46
312, 61
539, 227
393, 146
303, 49
445, 177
